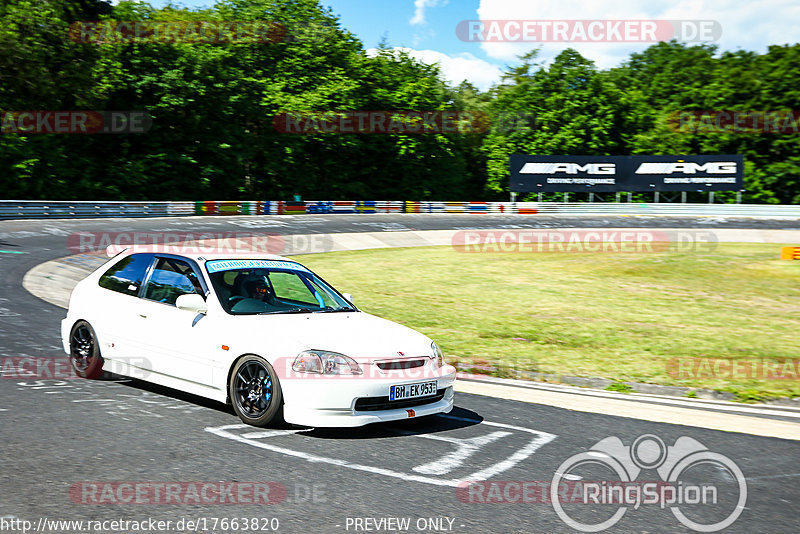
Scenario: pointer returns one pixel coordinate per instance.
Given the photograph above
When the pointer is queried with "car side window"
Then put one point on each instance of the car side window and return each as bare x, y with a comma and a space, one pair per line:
126, 275
170, 279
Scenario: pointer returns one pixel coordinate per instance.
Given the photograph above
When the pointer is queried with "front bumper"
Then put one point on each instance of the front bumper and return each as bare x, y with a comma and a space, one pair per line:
327, 402
320, 417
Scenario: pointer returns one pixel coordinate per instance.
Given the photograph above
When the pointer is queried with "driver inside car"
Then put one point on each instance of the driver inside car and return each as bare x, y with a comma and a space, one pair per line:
259, 289
258, 296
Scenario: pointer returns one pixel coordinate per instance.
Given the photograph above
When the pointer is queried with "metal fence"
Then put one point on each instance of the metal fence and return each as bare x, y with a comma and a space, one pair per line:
23, 209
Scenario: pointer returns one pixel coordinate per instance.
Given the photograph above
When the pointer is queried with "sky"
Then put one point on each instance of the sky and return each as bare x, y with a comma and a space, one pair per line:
427, 28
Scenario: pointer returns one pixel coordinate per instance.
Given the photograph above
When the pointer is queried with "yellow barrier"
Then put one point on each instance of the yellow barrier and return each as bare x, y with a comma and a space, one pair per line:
790, 253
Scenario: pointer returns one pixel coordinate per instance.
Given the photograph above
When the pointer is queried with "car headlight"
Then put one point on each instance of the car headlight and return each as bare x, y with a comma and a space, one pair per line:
324, 362
438, 354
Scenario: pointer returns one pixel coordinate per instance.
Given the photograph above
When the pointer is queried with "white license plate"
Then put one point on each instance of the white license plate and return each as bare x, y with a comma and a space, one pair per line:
412, 391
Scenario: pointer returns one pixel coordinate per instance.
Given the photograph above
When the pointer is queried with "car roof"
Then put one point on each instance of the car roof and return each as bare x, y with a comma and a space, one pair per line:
198, 256
228, 256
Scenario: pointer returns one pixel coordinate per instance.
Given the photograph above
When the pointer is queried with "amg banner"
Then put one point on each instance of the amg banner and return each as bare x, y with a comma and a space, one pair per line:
686, 173
609, 174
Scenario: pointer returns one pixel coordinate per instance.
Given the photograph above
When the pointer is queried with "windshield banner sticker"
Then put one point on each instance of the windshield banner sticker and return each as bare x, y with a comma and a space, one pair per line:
227, 265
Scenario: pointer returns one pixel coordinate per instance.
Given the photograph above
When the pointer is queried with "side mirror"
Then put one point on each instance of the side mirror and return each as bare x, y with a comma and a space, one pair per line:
348, 297
192, 302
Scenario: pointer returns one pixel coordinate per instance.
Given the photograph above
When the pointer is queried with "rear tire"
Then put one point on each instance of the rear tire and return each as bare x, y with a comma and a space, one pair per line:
255, 391
84, 351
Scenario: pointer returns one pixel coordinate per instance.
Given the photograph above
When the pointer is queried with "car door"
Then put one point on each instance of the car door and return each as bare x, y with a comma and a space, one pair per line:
116, 307
177, 339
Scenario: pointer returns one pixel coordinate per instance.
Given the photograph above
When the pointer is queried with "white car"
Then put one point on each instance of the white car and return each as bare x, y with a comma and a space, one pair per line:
262, 333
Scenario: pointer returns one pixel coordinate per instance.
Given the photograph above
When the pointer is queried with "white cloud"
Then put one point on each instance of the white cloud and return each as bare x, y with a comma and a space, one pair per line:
745, 25
457, 68
420, 36
419, 10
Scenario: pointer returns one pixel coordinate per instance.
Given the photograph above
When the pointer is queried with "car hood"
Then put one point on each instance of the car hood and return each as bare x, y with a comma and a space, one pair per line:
356, 334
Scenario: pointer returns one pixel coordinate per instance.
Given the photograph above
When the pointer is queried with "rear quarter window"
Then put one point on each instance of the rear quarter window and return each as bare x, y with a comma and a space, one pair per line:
126, 276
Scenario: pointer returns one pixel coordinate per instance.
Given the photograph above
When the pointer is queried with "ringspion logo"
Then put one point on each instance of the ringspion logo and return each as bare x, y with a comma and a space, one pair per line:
568, 491
691, 486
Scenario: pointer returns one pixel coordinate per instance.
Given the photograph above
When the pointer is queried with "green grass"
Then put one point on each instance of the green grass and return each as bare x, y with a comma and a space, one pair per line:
620, 387
617, 316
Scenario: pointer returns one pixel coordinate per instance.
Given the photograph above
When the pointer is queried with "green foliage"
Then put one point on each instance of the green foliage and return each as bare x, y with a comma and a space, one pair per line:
620, 387
747, 395
213, 107
570, 107
626, 110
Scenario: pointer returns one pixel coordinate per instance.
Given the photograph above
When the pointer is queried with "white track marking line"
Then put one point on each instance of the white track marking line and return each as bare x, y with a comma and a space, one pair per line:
633, 409
541, 438
466, 448
697, 404
270, 433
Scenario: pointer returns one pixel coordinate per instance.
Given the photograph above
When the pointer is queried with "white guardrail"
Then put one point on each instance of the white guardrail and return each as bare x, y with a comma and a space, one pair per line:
24, 209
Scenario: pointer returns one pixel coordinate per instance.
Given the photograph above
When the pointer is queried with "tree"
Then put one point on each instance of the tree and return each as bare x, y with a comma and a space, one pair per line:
567, 107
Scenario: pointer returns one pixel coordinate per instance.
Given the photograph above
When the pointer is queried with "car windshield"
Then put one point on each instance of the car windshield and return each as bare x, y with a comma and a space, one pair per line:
250, 287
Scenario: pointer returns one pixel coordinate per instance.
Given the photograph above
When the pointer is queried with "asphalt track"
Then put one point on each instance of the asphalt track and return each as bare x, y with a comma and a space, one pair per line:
62, 434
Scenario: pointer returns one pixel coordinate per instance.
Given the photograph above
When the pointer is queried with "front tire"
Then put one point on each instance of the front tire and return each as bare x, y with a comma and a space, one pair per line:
255, 391
84, 351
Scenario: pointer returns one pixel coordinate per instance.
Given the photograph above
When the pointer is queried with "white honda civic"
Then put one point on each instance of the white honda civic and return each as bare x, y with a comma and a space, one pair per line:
264, 334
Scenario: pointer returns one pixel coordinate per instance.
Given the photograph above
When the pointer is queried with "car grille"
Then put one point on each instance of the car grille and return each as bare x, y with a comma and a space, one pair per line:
397, 365
372, 404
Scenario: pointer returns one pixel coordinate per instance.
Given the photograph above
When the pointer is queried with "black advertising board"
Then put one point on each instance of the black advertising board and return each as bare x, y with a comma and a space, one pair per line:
609, 174
687, 173
555, 174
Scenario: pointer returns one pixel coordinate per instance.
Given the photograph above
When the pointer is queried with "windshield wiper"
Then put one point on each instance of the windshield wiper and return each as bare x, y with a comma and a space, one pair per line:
295, 310
308, 310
